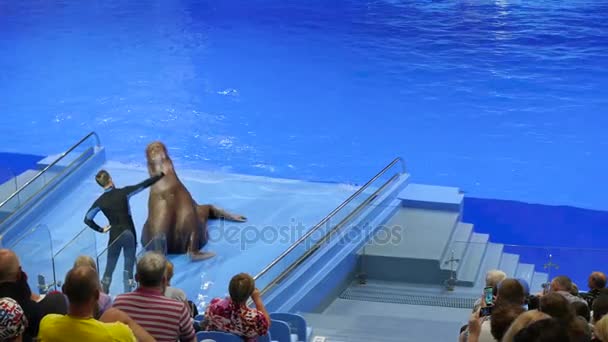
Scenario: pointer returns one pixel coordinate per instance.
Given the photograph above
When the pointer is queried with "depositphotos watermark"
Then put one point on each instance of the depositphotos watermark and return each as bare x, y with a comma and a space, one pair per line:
252, 235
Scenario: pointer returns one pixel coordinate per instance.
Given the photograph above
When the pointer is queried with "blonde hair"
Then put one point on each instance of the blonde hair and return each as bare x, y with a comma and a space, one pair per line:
85, 260
522, 322
601, 329
169, 271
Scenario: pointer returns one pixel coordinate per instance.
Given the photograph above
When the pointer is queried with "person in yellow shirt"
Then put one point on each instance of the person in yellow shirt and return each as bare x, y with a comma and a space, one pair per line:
82, 288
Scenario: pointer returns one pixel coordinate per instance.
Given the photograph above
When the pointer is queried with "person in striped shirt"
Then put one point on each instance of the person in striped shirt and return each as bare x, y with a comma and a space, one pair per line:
166, 319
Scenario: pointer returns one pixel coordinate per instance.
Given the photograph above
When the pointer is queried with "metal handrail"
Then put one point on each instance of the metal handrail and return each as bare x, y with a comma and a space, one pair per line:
39, 174
330, 215
327, 236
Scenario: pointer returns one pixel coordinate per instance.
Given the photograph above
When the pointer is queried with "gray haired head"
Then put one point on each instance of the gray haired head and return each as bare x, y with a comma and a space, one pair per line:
151, 269
85, 260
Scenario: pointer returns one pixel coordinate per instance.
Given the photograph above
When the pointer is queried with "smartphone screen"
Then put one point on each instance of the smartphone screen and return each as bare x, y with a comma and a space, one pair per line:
489, 298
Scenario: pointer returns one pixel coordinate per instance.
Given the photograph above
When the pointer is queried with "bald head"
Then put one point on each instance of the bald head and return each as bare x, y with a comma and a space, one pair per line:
597, 280
9, 266
81, 285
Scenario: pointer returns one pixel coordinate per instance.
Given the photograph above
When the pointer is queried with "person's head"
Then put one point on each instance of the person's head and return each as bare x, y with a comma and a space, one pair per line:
600, 307
151, 270
81, 286
557, 306
545, 330
574, 289
9, 266
169, 271
601, 329
104, 179
502, 317
510, 291
597, 280
582, 309
13, 321
85, 260
241, 287
525, 286
493, 277
522, 321
561, 283
11, 272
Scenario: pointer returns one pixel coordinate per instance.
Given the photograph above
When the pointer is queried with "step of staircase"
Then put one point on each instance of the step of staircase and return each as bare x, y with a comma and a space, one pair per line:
491, 261
538, 279
457, 246
417, 255
431, 197
362, 327
525, 272
509, 263
473, 259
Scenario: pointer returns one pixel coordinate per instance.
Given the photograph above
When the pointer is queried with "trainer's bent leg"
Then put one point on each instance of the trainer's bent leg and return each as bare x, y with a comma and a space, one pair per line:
129, 247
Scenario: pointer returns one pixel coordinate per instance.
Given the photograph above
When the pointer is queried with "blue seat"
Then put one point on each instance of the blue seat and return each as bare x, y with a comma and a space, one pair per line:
280, 331
265, 338
297, 324
217, 336
200, 317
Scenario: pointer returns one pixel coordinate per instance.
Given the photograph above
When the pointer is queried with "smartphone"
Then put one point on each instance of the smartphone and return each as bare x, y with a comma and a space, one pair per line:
488, 292
485, 311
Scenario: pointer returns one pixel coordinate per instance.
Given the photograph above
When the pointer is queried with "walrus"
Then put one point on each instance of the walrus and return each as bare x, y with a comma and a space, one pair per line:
173, 211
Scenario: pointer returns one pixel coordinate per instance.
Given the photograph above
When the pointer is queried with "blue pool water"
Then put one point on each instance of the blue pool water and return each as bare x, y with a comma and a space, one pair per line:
505, 99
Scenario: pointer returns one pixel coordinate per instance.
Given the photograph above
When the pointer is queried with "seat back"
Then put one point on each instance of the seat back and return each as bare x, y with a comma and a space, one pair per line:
297, 323
280, 331
217, 336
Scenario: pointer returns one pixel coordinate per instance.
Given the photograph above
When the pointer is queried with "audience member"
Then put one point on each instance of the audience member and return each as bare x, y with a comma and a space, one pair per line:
82, 287
105, 301
172, 292
596, 283
563, 285
502, 318
493, 277
582, 310
545, 330
164, 318
12, 320
600, 307
601, 330
509, 292
557, 306
232, 314
522, 322
13, 284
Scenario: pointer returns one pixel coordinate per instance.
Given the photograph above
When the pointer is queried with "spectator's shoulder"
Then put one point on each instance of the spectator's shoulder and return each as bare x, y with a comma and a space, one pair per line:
120, 332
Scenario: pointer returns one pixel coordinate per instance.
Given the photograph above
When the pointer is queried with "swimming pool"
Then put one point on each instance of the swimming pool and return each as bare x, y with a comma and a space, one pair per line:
505, 99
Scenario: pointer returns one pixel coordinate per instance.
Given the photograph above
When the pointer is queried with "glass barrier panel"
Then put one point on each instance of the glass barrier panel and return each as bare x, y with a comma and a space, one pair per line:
344, 221
576, 263
116, 264
35, 251
464, 264
83, 244
157, 244
8, 183
32, 184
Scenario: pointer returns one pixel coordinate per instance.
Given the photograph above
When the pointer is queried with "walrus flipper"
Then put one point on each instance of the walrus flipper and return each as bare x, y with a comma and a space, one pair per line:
194, 253
213, 212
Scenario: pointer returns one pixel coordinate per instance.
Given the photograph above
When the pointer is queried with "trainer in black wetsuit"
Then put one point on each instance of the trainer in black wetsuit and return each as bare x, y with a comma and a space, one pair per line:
114, 203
